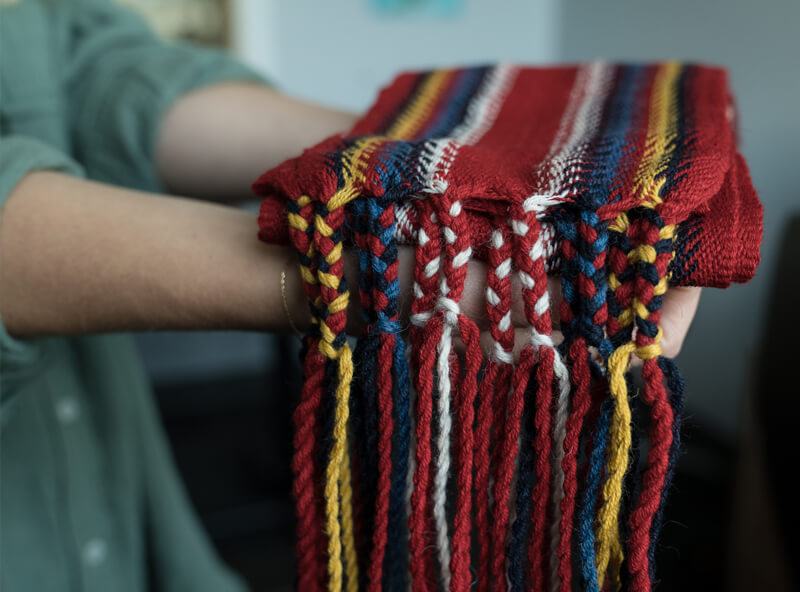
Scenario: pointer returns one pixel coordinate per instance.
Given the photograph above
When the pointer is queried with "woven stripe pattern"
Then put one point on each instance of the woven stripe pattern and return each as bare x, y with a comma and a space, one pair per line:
425, 465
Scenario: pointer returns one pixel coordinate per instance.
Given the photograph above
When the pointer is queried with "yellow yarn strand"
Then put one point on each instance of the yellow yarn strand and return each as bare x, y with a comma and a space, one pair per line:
617, 463
350, 557
334, 471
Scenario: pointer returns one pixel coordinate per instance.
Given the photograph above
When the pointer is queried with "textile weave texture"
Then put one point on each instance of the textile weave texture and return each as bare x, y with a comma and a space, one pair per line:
421, 464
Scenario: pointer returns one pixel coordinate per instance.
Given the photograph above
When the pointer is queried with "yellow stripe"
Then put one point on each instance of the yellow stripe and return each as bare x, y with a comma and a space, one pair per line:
335, 254
662, 129
409, 122
626, 317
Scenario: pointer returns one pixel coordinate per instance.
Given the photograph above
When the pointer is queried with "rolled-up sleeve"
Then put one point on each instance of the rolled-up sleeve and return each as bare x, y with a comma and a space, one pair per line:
120, 81
20, 155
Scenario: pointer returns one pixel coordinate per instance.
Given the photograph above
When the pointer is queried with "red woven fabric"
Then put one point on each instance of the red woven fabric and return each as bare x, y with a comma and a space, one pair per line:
619, 179
718, 244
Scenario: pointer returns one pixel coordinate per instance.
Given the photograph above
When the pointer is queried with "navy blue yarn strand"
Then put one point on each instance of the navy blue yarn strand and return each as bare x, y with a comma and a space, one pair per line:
521, 526
586, 516
676, 385
394, 562
633, 478
363, 402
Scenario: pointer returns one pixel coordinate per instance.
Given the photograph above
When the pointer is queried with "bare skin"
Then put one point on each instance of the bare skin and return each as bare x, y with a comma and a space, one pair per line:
79, 257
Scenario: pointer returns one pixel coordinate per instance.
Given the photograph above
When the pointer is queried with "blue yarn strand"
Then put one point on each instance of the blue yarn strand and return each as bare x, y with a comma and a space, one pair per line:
676, 385
594, 477
521, 526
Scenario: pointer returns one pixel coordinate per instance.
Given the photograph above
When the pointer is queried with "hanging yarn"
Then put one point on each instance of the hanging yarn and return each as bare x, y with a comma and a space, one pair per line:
425, 465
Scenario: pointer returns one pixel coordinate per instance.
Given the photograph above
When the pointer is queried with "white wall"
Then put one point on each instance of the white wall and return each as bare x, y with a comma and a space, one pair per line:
342, 51
759, 44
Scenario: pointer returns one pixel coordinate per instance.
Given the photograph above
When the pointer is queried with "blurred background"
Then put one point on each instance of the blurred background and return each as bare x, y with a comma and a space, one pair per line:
226, 398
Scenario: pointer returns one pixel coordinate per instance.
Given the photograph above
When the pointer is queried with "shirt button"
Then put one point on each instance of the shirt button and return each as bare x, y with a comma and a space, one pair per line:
94, 552
68, 410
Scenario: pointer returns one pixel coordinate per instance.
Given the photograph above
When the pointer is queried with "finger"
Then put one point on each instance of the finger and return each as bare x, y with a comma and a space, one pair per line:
677, 312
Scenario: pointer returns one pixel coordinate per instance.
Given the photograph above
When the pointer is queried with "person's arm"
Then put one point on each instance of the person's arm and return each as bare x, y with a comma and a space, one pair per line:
80, 257
214, 142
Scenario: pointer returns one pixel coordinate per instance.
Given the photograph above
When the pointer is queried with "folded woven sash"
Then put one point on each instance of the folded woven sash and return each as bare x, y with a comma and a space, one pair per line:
418, 465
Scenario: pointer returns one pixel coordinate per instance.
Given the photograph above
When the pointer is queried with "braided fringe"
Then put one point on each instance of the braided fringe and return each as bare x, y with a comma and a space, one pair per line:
488, 455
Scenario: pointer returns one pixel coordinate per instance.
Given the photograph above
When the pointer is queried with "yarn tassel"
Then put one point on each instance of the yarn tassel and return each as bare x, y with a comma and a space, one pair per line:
520, 528
651, 255
459, 252
328, 222
493, 392
425, 332
676, 386
310, 539
364, 410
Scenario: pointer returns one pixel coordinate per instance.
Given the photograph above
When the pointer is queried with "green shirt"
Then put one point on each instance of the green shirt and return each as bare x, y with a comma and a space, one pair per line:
89, 496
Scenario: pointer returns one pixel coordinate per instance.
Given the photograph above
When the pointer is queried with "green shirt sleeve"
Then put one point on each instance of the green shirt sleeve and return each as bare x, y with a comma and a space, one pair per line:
120, 81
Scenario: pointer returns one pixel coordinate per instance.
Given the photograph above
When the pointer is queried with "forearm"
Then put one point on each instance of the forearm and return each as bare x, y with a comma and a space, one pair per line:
216, 141
84, 257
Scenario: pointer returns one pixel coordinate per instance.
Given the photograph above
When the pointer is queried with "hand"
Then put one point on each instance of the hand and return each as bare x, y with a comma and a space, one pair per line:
677, 313
678, 309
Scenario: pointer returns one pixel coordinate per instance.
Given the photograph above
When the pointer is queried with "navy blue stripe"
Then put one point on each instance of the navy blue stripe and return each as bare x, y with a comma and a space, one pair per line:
454, 105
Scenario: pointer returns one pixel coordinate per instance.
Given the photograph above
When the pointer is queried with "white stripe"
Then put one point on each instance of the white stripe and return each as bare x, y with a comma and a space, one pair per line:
597, 78
502, 355
483, 109
563, 174
436, 160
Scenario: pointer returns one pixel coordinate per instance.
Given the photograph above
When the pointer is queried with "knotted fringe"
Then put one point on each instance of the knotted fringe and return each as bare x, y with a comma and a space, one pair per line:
495, 461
